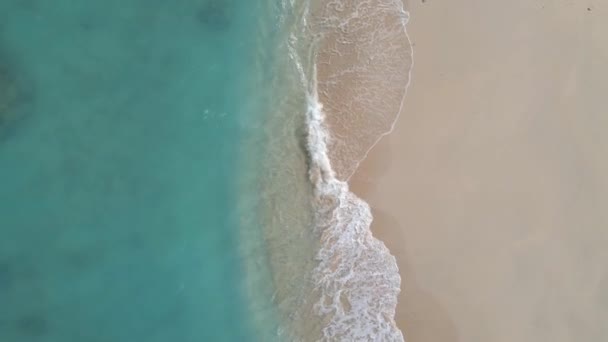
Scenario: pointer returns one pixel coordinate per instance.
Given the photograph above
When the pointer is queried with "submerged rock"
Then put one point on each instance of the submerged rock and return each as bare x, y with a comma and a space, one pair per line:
215, 14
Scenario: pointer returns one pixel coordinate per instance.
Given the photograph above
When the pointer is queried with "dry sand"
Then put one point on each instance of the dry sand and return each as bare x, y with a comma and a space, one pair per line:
492, 191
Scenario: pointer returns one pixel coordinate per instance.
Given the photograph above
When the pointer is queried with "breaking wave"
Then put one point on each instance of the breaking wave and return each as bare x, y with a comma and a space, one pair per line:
340, 90
356, 281
357, 278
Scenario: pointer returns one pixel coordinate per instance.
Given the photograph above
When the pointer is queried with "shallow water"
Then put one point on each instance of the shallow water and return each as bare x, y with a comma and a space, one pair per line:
117, 169
166, 170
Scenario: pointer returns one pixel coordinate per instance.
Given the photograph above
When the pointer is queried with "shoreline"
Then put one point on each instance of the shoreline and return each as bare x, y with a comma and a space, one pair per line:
479, 190
363, 67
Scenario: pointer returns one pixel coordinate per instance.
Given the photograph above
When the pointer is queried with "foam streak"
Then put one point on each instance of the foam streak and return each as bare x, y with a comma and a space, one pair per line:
357, 279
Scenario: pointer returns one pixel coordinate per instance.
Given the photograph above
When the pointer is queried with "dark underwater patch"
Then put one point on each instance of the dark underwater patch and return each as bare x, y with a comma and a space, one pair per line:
12, 96
8, 96
6, 276
33, 325
215, 14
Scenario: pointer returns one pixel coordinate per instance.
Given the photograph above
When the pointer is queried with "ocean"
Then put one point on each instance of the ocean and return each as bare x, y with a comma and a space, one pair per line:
166, 174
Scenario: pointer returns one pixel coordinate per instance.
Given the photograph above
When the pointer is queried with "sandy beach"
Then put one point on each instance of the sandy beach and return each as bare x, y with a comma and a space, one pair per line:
493, 187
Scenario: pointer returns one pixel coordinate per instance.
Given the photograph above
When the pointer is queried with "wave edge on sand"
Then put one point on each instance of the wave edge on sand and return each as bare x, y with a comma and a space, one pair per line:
357, 280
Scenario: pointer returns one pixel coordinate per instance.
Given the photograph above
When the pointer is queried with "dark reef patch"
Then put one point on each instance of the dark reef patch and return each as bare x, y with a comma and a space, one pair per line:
8, 95
215, 14
34, 325
12, 96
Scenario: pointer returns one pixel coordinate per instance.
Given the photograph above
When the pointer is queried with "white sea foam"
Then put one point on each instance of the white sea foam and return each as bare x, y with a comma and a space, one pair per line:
364, 70
349, 291
356, 279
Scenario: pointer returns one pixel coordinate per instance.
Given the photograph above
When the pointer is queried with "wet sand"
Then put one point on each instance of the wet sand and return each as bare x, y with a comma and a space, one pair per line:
492, 191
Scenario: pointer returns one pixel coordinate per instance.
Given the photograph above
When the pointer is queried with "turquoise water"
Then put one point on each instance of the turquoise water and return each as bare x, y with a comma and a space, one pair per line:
120, 125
